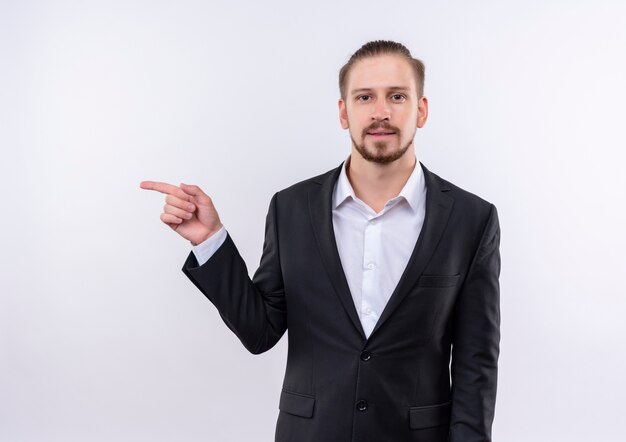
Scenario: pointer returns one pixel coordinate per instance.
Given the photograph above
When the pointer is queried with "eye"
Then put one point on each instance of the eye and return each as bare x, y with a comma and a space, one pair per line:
363, 98
398, 97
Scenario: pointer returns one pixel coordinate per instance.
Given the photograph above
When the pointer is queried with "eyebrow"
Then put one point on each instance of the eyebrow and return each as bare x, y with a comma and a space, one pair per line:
366, 89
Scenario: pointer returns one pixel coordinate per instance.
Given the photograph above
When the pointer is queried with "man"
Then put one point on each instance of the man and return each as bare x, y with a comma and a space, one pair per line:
382, 271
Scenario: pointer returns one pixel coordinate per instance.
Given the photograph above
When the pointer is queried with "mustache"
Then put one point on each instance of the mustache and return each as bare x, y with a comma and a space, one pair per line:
381, 125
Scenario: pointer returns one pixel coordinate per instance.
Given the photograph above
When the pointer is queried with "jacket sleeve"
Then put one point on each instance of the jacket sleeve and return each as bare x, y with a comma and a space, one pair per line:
254, 309
476, 342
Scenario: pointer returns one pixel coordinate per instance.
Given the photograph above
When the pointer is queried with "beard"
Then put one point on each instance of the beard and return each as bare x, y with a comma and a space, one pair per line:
379, 155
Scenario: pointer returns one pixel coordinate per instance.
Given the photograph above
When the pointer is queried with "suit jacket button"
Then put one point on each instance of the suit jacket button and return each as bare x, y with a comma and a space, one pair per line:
361, 405
366, 356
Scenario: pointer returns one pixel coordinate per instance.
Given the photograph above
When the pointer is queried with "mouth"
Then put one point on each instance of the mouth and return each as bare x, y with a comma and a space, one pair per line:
381, 134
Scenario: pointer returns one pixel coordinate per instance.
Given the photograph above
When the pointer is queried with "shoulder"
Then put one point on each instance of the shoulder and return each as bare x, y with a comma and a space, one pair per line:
470, 212
464, 198
301, 189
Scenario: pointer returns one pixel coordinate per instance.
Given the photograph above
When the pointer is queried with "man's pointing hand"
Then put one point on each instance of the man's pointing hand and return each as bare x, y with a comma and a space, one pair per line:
188, 210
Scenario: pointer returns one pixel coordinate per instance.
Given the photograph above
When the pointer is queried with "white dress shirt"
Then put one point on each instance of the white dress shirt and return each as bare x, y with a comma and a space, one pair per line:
374, 248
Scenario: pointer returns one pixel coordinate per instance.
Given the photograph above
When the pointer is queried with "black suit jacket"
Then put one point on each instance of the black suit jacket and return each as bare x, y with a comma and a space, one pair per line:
397, 385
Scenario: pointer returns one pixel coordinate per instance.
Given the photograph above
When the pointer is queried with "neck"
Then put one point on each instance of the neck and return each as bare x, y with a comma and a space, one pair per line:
374, 183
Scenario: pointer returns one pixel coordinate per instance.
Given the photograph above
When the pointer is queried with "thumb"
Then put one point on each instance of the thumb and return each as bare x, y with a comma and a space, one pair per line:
191, 189
195, 191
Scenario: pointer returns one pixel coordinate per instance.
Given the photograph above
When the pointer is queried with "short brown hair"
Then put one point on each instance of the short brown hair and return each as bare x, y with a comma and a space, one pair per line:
382, 47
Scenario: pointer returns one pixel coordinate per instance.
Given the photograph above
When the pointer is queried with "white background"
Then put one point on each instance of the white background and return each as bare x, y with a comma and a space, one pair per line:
102, 337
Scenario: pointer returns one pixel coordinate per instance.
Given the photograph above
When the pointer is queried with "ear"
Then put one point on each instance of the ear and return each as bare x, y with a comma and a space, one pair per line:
422, 111
343, 114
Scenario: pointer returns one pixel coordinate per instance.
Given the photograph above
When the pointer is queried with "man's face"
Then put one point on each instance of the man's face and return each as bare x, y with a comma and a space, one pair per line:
381, 109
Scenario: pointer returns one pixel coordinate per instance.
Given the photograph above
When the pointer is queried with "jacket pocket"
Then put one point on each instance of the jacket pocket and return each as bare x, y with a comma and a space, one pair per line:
296, 403
438, 280
429, 416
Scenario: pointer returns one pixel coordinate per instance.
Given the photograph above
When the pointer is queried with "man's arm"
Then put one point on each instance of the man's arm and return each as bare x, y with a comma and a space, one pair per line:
476, 342
255, 310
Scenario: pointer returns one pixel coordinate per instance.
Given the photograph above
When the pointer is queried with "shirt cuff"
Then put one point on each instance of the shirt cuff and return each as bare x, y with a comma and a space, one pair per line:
209, 246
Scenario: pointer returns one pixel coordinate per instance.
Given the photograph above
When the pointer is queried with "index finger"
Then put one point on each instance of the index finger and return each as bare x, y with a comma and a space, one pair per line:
166, 188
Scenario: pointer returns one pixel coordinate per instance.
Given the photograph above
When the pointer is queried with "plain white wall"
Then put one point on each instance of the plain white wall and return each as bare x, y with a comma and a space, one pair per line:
102, 337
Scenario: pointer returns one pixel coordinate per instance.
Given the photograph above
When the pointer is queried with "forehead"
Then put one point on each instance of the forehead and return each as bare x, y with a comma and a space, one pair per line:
381, 72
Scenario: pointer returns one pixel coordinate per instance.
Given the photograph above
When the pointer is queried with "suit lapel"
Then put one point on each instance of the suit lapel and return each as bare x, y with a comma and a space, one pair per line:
320, 207
438, 208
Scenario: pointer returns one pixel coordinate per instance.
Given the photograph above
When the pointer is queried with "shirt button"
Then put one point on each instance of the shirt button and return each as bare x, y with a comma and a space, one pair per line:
366, 356
370, 265
367, 311
361, 405
372, 221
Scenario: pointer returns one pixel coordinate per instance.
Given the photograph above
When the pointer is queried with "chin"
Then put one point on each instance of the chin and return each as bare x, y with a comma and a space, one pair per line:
380, 152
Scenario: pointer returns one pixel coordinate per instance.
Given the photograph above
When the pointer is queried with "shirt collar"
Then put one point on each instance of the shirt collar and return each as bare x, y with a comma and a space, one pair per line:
410, 192
343, 188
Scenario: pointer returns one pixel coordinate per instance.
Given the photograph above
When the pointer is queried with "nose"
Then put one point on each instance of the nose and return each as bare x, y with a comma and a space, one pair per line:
381, 111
